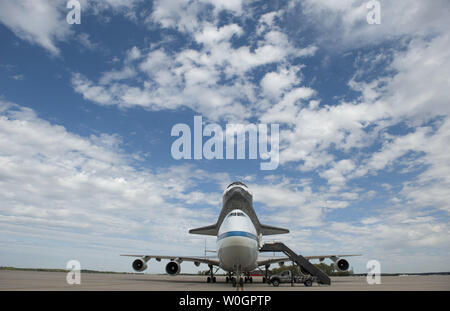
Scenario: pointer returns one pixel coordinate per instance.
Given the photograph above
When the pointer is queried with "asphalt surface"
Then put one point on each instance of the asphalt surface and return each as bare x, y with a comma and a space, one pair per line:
56, 281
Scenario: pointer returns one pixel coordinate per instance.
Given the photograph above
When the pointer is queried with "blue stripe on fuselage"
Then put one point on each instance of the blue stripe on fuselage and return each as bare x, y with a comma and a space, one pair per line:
237, 233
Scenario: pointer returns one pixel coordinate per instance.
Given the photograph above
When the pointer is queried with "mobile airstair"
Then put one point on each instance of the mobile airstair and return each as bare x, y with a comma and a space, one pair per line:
304, 263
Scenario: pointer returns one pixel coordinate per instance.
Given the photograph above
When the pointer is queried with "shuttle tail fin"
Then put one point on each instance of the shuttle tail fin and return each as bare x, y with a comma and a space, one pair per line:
208, 230
269, 230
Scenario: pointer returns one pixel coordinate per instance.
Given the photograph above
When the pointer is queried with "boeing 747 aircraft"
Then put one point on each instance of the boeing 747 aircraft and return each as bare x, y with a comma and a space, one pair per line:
239, 237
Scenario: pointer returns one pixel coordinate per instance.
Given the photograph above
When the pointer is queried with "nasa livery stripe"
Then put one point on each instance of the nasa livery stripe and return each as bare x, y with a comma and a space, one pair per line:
237, 233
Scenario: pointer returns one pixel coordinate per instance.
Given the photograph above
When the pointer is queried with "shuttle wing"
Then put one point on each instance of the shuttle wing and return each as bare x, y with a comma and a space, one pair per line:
269, 230
213, 229
208, 230
206, 260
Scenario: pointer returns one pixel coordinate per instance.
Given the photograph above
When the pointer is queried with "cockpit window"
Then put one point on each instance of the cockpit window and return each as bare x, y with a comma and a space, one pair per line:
235, 214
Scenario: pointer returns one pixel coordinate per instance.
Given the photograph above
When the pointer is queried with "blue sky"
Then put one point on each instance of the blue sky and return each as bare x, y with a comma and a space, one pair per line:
86, 113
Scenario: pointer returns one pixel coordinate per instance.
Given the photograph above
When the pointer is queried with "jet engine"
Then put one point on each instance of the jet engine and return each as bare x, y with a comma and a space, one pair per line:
342, 264
139, 265
173, 268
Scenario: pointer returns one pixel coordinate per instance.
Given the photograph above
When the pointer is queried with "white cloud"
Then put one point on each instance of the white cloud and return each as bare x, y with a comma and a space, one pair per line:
415, 93
295, 205
343, 24
430, 188
172, 13
51, 179
286, 110
275, 83
43, 22
316, 129
336, 174
84, 40
40, 22
420, 85
117, 75
133, 54
194, 78
91, 92
211, 35
184, 15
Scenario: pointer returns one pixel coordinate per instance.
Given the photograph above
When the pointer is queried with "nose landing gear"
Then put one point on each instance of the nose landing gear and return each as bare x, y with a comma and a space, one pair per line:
211, 279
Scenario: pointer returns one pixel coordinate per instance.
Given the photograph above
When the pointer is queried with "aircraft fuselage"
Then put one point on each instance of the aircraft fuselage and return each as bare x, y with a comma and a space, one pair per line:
237, 238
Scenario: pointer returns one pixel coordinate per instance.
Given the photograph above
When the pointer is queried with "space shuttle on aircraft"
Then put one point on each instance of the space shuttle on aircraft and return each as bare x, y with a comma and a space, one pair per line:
239, 237
238, 197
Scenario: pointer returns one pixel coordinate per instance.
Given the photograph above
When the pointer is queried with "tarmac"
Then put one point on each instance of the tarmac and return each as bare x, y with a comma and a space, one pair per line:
56, 281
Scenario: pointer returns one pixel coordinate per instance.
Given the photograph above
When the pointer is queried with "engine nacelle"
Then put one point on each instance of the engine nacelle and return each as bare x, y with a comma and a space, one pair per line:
173, 268
342, 264
139, 265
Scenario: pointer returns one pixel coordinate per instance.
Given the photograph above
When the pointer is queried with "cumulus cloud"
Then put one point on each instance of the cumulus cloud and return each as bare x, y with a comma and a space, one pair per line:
343, 24
414, 91
43, 22
40, 22
53, 181
212, 80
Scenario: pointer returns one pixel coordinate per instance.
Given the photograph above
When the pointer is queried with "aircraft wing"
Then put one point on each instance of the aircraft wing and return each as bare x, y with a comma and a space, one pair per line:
271, 260
206, 260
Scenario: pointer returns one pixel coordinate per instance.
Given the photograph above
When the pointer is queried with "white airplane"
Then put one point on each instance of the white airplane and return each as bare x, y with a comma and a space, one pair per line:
239, 238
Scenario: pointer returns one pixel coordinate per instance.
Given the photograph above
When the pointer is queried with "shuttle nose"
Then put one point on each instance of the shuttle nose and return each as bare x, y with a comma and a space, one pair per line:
237, 198
236, 191
238, 194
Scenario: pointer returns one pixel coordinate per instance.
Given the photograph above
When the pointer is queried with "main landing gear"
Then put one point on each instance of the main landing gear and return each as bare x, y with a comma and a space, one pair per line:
265, 278
211, 278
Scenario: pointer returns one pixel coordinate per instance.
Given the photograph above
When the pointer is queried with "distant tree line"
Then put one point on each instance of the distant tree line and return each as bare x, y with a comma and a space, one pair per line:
59, 270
